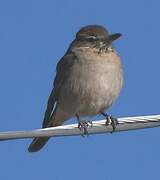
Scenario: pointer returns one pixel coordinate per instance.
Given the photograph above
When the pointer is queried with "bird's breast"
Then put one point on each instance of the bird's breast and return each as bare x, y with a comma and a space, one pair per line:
94, 82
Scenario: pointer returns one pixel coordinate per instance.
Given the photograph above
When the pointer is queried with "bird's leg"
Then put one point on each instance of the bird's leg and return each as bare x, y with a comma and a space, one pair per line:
110, 120
83, 125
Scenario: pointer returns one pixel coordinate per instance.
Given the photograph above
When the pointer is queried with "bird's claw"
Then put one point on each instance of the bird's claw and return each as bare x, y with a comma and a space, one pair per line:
111, 120
83, 125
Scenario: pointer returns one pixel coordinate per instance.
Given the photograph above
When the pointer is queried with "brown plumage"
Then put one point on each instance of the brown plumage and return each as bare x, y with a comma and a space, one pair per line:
88, 80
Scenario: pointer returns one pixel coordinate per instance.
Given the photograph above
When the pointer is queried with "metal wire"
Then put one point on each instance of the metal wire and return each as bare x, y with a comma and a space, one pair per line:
124, 124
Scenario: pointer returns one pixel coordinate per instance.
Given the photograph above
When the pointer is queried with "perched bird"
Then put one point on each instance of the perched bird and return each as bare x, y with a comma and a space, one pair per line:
89, 78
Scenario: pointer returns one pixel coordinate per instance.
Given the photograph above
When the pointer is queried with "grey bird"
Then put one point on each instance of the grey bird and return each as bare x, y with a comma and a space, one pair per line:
89, 79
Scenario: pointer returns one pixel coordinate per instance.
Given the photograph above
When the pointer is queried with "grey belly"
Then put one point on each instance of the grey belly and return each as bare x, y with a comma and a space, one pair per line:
88, 93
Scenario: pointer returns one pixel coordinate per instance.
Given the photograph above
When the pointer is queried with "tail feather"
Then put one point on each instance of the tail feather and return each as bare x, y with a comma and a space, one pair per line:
56, 119
37, 144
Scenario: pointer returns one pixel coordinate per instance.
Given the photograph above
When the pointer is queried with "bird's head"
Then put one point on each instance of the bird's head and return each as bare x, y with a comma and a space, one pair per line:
93, 33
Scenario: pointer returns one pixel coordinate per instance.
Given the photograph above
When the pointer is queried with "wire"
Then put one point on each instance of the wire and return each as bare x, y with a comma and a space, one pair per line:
124, 124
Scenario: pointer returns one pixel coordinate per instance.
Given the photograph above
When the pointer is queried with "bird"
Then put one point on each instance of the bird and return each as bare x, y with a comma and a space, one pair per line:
89, 78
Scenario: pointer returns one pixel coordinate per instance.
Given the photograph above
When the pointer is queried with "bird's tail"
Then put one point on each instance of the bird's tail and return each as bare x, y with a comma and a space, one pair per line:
57, 119
37, 144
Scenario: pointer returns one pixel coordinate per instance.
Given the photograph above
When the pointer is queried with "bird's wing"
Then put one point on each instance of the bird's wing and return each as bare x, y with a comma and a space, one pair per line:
50, 106
63, 68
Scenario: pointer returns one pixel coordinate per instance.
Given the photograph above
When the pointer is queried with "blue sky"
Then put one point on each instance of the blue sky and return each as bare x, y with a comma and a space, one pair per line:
34, 35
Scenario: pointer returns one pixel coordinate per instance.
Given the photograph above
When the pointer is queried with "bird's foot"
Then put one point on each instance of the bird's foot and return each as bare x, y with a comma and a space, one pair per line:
110, 120
83, 125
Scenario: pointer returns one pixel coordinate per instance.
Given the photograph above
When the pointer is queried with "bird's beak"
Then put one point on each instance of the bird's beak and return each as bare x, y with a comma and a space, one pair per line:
115, 36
